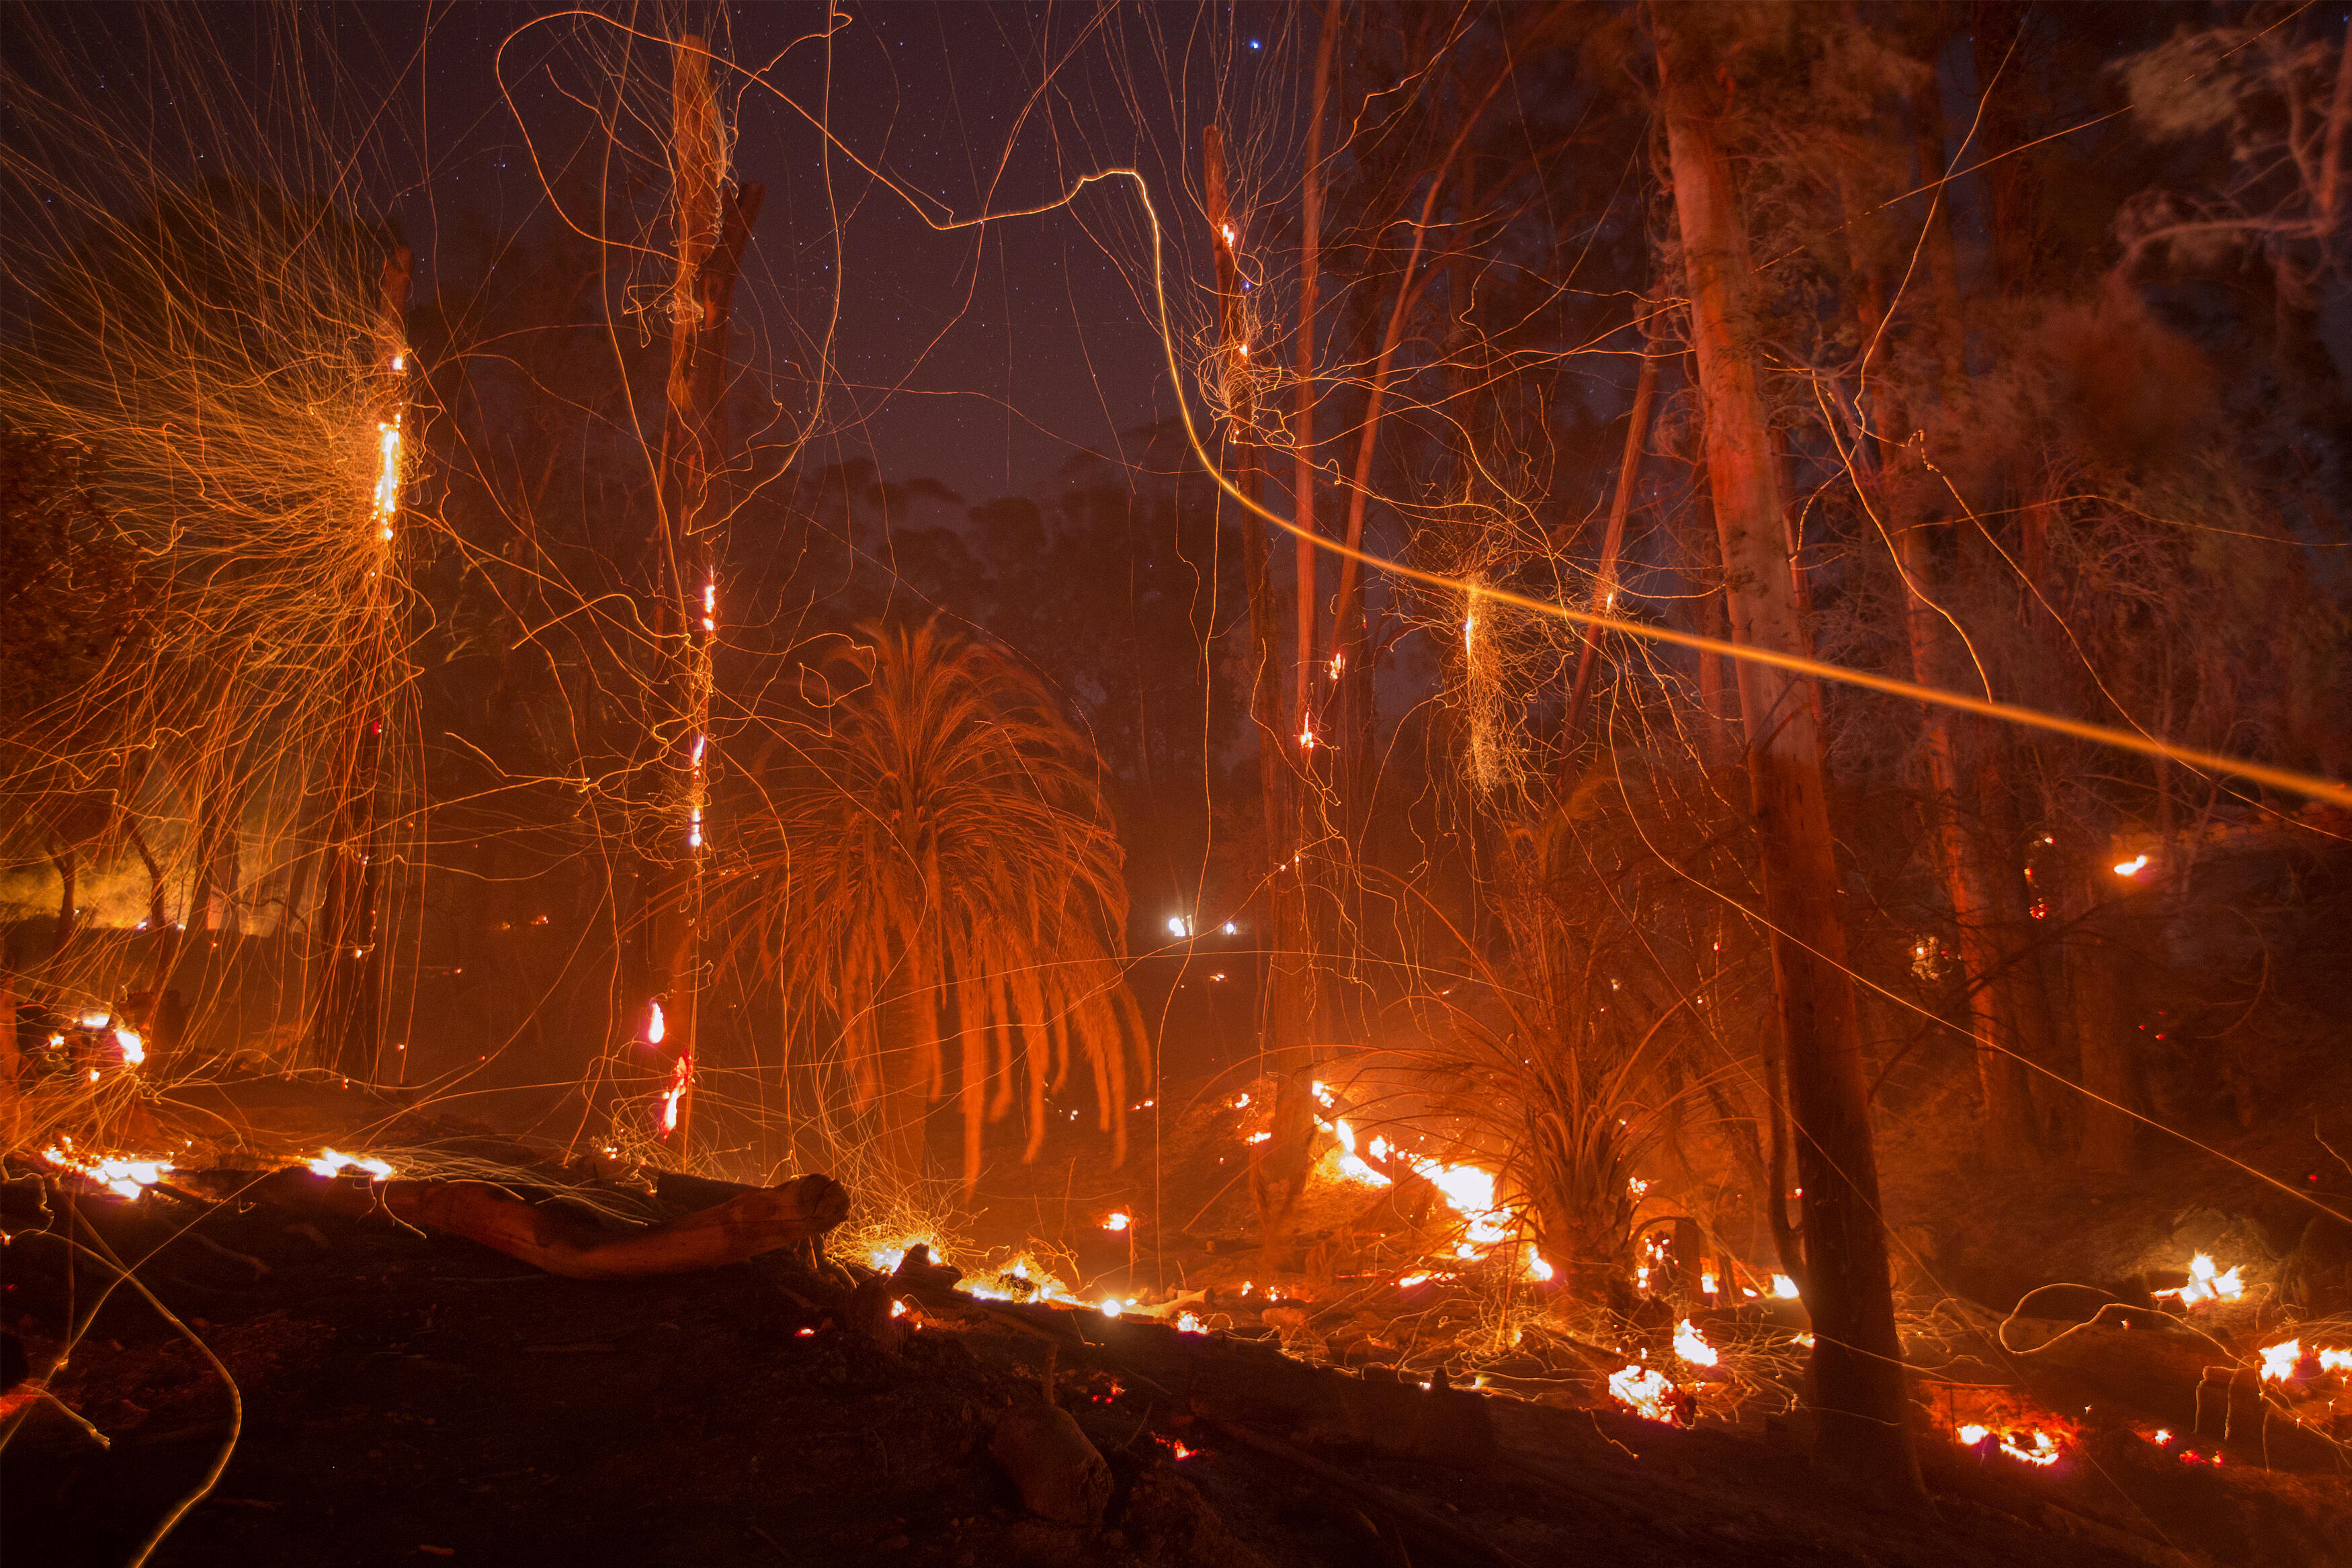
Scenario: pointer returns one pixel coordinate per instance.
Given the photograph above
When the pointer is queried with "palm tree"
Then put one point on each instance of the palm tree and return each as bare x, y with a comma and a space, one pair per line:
952, 880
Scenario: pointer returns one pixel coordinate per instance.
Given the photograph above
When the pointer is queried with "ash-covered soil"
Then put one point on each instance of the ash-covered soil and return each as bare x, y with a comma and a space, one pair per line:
410, 1397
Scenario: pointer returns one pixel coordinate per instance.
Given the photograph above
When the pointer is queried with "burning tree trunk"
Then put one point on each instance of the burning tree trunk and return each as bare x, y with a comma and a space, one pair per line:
1857, 1372
713, 227
344, 1020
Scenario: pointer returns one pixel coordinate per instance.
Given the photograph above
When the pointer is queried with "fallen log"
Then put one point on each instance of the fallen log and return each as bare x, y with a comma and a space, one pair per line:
559, 1239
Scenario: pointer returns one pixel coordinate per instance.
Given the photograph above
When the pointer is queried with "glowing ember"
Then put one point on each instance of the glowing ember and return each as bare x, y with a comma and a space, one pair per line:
1410, 1281
1188, 1324
331, 1163
1259, 1137
387, 483
898, 1309
656, 1025
1116, 1222
1971, 1435
1641, 1390
134, 1050
1241, 1103
2159, 1436
1706, 1284
2132, 867
2207, 1284
1784, 1287
1692, 1346
1537, 1268
2336, 1360
2279, 1361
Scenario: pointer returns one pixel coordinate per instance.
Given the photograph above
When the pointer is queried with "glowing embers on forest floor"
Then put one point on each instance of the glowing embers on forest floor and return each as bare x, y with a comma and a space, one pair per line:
2000, 1422
2031, 1446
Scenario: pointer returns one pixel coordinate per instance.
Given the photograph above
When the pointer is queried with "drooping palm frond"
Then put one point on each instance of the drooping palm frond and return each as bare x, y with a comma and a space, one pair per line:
952, 880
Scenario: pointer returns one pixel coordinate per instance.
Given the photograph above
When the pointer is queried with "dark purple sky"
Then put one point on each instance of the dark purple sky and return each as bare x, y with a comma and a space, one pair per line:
983, 357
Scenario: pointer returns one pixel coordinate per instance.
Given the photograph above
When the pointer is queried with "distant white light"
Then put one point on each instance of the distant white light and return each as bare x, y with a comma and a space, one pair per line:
1232, 929
1253, 44
2133, 866
1178, 926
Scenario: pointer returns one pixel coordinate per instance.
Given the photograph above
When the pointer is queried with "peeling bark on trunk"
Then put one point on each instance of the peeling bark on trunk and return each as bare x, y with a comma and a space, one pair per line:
1857, 1371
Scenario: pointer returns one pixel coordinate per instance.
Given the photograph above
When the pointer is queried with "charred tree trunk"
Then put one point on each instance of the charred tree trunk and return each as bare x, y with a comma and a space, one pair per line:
1604, 581
1278, 1167
1857, 1371
712, 225
1957, 830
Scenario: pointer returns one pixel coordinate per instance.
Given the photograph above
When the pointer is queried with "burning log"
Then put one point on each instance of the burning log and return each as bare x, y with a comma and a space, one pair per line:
1059, 1474
559, 1240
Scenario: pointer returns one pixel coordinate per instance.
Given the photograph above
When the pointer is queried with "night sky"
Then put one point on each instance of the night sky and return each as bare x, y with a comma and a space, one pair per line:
983, 357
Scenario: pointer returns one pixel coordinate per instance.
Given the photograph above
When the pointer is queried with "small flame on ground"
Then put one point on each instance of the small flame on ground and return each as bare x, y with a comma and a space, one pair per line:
134, 1050
1117, 1222
2279, 1361
656, 1025
2132, 867
2035, 1447
1111, 1307
332, 1163
1784, 1287
2206, 1283
1692, 1346
124, 1179
1188, 1324
2043, 1451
